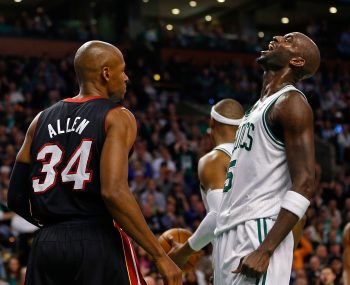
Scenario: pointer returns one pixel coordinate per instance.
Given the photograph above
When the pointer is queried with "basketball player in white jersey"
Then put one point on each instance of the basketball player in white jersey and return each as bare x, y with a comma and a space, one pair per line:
226, 115
212, 168
270, 180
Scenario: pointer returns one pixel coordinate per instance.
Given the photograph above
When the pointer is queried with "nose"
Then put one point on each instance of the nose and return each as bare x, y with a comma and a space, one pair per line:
277, 38
126, 78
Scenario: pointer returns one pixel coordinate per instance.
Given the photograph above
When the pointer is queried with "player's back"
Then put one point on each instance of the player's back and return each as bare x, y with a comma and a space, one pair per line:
65, 155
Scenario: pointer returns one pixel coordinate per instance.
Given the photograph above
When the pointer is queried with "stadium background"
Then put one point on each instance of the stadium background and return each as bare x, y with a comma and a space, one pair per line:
179, 62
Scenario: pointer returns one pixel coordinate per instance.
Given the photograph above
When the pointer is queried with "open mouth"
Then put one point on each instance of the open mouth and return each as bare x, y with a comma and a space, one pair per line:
271, 45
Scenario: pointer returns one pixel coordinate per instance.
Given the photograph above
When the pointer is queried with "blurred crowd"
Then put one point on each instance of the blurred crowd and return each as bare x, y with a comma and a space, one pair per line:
172, 136
38, 24
331, 40
225, 35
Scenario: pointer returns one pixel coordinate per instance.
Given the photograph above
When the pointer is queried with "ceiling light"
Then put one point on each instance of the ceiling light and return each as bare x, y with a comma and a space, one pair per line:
156, 77
145, 1
284, 20
333, 10
193, 3
17, 1
169, 27
221, 1
261, 34
175, 11
208, 18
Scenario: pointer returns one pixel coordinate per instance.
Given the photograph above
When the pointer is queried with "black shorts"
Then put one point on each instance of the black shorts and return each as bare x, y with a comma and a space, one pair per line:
82, 253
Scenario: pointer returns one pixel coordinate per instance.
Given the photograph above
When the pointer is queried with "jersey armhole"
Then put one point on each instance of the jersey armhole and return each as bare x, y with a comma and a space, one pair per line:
267, 125
35, 131
105, 118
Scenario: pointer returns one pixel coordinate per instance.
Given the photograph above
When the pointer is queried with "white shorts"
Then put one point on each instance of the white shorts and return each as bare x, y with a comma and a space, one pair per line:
241, 240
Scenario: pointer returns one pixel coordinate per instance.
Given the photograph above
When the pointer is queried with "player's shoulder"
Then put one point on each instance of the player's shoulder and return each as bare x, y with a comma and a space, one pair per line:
213, 158
293, 99
120, 116
292, 108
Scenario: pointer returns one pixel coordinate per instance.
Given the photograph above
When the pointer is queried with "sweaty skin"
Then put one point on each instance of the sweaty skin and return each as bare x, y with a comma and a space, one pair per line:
100, 71
290, 58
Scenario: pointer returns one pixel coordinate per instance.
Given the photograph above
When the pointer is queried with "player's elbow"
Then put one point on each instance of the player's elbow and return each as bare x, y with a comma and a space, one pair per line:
113, 195
307, 188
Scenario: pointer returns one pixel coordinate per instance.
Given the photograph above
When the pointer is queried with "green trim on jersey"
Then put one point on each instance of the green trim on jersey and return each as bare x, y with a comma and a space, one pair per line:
223, 150
266, 125
260, 241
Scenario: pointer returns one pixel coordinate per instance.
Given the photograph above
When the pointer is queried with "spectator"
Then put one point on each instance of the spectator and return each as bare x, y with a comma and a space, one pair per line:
327, 276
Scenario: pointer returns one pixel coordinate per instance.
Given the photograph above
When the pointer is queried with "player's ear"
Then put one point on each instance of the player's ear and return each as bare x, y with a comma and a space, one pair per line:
297, 61
105, 73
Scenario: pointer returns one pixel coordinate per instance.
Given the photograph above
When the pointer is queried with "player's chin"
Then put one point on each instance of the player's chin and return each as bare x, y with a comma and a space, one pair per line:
264, 56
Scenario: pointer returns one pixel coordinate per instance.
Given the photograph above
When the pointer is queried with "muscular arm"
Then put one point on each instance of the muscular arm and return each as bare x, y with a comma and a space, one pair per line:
295, 117
346, 254
212, 170
121, 134
20, 187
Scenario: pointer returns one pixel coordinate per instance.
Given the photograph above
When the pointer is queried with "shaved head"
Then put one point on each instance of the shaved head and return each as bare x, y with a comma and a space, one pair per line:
295, 51
308, 50
100, 69
221, 132
92, 56
229, 108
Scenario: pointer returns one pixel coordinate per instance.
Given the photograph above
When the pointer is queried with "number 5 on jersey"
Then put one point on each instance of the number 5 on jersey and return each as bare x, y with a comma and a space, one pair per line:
229, 176
75, 171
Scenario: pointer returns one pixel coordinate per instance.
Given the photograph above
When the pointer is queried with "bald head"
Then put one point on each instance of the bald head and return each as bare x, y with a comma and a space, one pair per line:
308, 50
229, 108
92, 56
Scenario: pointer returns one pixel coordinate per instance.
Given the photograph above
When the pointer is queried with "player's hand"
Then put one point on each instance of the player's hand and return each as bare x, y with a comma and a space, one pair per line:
176, 253
254, 264
167, 268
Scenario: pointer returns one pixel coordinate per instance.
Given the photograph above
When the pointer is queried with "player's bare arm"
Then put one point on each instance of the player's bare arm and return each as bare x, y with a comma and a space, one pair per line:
19, 188
346, 254
212, 170
120, 137
293, 116
298, 231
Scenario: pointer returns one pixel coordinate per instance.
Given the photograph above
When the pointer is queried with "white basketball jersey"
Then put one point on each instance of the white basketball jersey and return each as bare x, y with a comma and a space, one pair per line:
258, 175
226, 148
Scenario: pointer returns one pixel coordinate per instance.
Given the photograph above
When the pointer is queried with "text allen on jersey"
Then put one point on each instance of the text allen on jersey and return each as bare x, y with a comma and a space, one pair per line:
77, 125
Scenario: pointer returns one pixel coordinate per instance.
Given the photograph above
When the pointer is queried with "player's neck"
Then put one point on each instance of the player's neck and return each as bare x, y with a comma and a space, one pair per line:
87, 90
223, 139
274, 80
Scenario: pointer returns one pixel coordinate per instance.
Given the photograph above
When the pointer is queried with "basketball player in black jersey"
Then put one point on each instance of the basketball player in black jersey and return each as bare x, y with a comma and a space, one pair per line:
70, 178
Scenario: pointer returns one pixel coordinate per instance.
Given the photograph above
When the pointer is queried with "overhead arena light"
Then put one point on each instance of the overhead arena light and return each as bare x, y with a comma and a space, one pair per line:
156, 77
208, 18
18, 1
261, 34
333, 10
221, 1
192, 3
285, 20
175, 11
145, 1
169, 27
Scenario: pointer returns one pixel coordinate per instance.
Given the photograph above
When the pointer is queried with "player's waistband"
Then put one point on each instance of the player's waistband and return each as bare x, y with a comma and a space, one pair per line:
82, 220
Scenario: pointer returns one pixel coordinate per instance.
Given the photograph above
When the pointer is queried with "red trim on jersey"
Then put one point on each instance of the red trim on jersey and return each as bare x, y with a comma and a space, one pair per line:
82, 100
132, 264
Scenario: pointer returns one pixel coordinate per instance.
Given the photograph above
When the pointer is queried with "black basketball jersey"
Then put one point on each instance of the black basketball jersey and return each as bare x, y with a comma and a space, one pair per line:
65, 153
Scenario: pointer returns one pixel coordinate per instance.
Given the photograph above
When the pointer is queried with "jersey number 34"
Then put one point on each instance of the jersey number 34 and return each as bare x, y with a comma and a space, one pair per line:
76, 169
